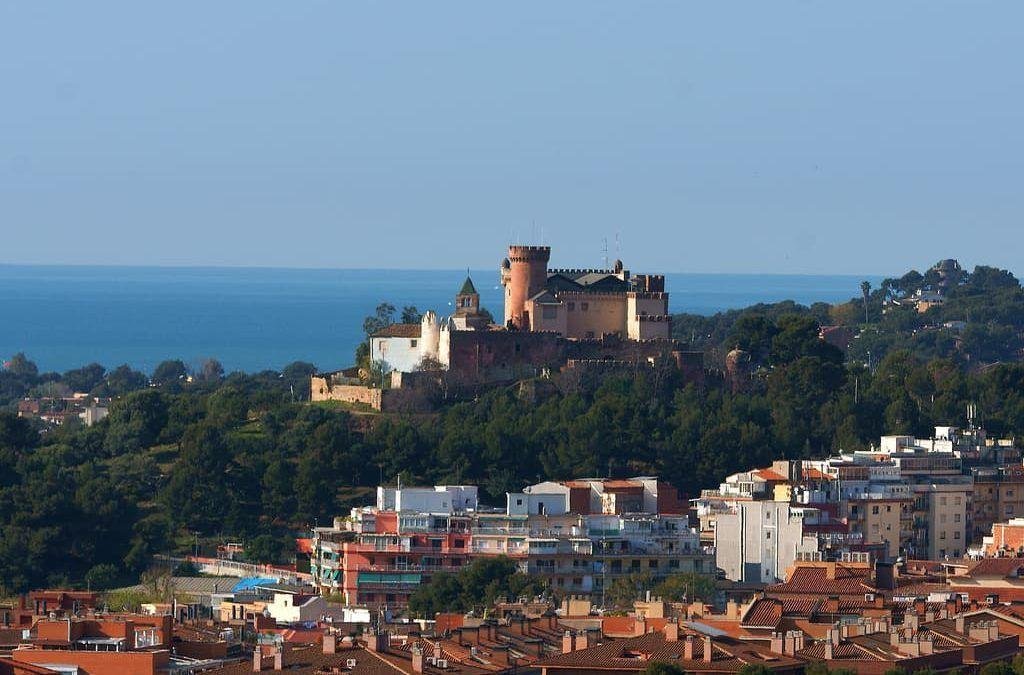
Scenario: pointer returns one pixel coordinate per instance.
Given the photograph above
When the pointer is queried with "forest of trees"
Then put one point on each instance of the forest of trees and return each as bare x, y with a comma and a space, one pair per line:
228, 457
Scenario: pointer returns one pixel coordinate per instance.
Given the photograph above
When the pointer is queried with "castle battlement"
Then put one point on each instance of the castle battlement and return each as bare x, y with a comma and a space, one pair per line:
617, 297
578, 270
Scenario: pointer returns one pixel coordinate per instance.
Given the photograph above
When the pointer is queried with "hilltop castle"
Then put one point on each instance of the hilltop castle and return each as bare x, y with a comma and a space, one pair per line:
554, 320
582, 303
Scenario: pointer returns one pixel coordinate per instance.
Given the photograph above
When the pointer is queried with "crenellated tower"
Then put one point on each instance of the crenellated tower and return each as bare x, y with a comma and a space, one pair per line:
523, 274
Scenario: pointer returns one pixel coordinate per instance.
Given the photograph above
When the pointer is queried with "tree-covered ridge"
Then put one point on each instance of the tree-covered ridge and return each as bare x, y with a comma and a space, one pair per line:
989, 302
241, 456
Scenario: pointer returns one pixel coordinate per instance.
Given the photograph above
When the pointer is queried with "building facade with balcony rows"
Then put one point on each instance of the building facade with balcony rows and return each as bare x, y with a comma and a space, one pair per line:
578, 535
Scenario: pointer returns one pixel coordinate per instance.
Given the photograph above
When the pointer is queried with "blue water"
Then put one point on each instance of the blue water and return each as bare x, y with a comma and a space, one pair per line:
254, 318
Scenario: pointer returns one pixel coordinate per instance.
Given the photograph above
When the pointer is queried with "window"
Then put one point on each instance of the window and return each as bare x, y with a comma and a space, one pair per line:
549, 312
412, 343
767, 535
874, 510
584, 306
956, 517
634, 564
942, 500
652, 564
942, 535
519, 502
888, 508
673, 564
956, 535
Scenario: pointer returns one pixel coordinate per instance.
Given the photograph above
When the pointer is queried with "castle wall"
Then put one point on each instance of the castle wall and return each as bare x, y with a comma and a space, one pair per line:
592, 315
550, 318
489, 356
321, 390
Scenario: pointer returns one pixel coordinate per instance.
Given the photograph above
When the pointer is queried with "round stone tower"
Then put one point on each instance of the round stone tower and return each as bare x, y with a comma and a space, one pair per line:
430, 335
525, 275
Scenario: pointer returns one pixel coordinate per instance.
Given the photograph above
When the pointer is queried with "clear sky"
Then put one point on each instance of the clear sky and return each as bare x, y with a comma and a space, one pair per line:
831, 137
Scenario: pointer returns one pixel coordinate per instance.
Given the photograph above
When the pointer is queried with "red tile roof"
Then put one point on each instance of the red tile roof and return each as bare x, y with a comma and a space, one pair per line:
763, 613
770, 475
1000, 568
817, 581
402, 330
728, 655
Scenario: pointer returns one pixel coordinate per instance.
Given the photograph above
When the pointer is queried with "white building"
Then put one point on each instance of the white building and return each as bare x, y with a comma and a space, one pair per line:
404, 347
446, 499
757, 541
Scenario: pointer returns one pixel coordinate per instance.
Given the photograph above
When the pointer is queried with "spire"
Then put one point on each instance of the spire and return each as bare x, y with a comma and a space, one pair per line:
467, 286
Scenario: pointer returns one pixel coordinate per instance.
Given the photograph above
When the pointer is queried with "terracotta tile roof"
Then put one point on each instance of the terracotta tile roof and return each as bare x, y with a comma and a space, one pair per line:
770, 474
800, 606
399, 330
810, 473
763, 613
1001, 568
310, 660
817, 581
728, 655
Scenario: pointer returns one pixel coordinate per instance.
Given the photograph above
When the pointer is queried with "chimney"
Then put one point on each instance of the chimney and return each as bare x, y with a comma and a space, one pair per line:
688, 648
568, 642
798, 637
671, 632
911, 621
378, 642
959, 623
778, 642
708, 649
499, 654
929, 616
257, 660
829, 654
330, 643
583, 639
417, 659
926, 645
639, 627
278, 660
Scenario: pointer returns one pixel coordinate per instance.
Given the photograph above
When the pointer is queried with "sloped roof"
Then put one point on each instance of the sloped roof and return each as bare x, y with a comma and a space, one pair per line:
1000, 568
818, 581
468, 288
763, 613
399, 330
636, 653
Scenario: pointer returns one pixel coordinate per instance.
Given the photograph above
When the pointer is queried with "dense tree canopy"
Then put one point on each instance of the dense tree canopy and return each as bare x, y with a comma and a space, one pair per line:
244, 457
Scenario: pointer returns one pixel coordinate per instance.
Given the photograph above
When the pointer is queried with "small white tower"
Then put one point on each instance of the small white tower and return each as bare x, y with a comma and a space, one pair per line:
430, 335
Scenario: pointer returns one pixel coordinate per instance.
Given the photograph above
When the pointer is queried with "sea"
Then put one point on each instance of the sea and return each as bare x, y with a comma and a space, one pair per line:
253, 319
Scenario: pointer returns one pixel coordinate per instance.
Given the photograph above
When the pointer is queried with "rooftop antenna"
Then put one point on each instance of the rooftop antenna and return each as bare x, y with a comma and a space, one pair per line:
618, 245
604, 249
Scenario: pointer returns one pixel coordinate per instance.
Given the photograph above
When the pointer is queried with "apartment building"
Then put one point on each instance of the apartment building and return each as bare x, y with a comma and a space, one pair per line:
580, 535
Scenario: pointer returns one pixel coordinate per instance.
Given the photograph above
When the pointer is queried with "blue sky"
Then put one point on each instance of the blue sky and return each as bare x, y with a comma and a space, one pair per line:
808, 137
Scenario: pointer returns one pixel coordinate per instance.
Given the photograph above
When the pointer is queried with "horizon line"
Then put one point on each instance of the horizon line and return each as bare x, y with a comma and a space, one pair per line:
173, 266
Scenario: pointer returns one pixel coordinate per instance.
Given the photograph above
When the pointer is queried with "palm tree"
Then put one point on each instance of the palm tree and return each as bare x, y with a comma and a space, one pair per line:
865, 289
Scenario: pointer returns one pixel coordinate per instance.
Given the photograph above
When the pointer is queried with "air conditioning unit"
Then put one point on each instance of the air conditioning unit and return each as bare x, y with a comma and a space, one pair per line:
992, 599
350, 663
432, 660
442, 664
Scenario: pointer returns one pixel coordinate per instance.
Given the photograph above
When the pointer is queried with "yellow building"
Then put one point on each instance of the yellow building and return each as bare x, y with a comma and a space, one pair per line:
582, 303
